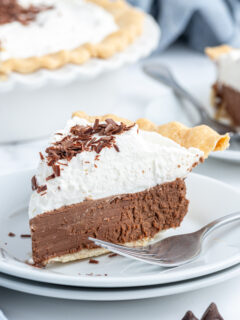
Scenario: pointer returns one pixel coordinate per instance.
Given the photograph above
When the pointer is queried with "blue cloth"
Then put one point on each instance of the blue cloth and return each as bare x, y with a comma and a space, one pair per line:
200, 22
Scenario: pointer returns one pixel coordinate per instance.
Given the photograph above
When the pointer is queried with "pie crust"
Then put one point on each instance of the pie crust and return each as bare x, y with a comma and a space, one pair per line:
201, 137
129, 22
215, 52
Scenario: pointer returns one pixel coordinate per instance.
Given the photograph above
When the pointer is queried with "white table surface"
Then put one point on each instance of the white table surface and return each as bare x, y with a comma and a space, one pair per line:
192, 68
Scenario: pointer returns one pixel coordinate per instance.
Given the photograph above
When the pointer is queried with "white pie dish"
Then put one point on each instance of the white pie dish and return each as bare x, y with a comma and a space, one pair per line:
38, 97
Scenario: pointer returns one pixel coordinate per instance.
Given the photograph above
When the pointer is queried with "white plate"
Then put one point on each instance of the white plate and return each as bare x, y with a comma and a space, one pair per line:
97, 294
209, 199
141, 47
168, 108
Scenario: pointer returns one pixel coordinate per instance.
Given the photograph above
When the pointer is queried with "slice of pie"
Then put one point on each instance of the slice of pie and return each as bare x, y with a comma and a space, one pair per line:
110, 178
225, 96
48, 34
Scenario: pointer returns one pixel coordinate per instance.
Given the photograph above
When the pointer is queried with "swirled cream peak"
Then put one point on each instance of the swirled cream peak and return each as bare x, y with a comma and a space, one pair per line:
228, 65
68, 25
139, 161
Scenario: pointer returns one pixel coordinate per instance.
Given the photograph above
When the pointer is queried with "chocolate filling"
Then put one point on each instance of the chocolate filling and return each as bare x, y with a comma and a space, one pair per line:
119, 219
228, 99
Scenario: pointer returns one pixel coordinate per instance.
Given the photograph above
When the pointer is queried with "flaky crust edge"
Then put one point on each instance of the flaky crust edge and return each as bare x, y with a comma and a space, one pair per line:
201, 137
129, 21
215, 52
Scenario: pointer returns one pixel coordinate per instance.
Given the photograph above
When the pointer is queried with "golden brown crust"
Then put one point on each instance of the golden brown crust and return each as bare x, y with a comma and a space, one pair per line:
215, 52
88, 253
129, 21
200, 137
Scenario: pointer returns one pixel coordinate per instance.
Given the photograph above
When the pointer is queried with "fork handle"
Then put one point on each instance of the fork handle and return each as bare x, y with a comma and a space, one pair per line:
219, 223
171, 82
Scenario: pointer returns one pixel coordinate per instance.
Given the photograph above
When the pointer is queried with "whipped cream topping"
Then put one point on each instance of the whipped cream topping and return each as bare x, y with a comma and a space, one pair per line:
70, 24
145, 159
229, 69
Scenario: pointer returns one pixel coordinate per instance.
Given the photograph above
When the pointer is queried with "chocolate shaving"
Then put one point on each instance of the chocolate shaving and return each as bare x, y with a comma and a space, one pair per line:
62, 164
40, 153
41, 188
11, 10
25, 236
56, 170
112, 255
116, 148
81, 138
34, 183
11, 234
93, 261
52, 176
96, 123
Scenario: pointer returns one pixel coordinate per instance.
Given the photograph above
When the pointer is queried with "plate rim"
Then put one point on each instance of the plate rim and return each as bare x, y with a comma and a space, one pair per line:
136, 293
35, 274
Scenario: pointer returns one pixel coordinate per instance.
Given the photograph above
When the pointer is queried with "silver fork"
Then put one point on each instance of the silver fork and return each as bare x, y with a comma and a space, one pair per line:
172, 251
163, 74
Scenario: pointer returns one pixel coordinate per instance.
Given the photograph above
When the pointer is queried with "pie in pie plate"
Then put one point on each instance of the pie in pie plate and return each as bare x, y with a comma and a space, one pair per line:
49, 34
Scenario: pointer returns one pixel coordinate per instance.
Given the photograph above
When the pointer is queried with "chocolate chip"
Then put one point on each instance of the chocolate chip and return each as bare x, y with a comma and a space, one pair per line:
189, 316
212, 313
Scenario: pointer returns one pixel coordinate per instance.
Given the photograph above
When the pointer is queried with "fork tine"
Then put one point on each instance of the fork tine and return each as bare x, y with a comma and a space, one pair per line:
130, 249
147, 257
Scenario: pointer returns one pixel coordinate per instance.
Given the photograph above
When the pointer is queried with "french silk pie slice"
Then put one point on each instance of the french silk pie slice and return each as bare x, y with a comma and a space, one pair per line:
48, 34
225, 96
110, 178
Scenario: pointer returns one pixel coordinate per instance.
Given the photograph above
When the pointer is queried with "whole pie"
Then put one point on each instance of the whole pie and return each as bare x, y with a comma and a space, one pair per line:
225, 96
112, 179
48, 34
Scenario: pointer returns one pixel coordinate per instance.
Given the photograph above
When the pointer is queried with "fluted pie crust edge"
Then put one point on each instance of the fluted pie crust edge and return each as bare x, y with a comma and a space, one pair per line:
129, 22
201, 137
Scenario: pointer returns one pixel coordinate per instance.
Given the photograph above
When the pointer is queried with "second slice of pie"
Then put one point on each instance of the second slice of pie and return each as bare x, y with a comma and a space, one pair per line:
112, 179
225, 96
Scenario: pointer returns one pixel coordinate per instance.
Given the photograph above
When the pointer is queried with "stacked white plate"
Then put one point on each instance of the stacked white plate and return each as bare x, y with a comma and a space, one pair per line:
119, 278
